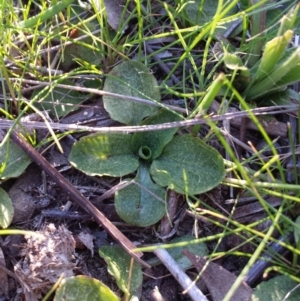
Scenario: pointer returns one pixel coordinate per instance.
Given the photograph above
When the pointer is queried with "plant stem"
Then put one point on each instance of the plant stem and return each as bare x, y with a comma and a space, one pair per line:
270, 81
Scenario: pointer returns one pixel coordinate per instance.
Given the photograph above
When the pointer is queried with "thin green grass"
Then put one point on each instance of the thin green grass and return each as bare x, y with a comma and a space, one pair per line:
197, 83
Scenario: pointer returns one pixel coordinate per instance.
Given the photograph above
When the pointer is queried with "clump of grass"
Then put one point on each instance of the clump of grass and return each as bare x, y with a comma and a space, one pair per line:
182, 55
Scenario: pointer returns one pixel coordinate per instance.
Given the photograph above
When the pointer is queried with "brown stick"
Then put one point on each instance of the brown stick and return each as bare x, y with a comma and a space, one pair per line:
79, 198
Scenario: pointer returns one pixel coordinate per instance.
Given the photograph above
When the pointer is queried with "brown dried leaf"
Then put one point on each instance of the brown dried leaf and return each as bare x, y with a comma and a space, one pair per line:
87, 240
114, 12
218, 280
167, 220
3, 276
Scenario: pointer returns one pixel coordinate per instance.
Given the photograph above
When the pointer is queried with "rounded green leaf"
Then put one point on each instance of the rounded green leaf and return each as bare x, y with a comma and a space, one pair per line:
87, 49
189, 166
6, 209
277, 289
104, 154
199, 12
130, 78
155, 140
83, 288
199, 249
118, 264
59, 101
16, 162
234, 62
143, 204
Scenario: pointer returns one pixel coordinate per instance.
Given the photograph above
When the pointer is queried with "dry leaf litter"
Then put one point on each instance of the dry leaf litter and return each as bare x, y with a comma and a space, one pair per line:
46, 257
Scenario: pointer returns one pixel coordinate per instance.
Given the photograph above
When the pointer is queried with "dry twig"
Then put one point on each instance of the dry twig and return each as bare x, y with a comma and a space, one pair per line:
79, 198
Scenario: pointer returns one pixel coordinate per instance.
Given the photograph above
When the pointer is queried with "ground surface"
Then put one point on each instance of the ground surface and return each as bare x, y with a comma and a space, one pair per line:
29, 267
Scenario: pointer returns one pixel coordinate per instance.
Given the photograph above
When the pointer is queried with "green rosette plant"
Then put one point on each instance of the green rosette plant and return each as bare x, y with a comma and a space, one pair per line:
162, 159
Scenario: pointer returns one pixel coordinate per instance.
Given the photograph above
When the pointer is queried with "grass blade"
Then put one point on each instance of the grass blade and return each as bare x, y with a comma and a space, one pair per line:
273, 51
271, 81
45, 15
